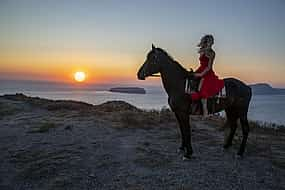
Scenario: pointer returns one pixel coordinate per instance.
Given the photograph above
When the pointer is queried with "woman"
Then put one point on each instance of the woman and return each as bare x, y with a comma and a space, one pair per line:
209, 83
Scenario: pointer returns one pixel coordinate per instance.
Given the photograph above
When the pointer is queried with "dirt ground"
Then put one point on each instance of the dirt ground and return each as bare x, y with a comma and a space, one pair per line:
70, 145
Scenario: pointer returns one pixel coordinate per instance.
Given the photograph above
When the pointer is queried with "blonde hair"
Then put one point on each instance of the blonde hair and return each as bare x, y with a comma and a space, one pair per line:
208, 39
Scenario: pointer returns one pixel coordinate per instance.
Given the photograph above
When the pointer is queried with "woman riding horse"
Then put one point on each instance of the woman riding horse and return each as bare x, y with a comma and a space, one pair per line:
174, 78
209, 83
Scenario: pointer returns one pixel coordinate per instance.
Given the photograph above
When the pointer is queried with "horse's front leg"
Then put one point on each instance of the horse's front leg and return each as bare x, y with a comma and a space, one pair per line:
182, 148
184, 119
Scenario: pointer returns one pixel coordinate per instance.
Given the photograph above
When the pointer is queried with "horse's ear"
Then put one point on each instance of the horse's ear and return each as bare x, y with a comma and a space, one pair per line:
152, 47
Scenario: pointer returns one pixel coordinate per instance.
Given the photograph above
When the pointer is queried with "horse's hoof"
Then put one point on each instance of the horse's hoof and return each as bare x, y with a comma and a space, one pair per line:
226, 146
181, 150
186, 157
239, 156
224, 150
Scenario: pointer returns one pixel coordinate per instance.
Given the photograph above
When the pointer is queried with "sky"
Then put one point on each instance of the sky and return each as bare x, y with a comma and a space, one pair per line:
109, 40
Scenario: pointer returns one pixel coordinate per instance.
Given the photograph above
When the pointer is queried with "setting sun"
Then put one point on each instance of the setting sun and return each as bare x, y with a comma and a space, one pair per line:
79, 76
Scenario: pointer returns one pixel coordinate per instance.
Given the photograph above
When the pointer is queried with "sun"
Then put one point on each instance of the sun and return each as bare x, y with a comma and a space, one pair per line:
79, 76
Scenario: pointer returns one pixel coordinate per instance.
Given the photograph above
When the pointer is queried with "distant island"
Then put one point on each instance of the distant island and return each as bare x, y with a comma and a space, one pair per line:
130, 90
264, 88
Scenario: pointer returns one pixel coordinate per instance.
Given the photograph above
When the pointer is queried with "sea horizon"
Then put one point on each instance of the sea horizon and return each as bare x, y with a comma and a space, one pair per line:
263, 108
93, 85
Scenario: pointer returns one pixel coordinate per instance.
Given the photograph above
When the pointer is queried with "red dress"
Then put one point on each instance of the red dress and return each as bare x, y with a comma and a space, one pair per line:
211, 84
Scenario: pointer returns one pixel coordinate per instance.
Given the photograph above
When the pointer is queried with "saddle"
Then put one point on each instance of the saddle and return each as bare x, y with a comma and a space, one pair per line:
215, 103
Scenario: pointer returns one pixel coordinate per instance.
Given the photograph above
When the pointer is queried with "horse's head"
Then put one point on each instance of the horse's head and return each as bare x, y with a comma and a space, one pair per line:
151, 65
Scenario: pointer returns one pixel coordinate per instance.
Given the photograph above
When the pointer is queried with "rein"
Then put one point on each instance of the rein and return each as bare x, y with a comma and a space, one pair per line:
155, 75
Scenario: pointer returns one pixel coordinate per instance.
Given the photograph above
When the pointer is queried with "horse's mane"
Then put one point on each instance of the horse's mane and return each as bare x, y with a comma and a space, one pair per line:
171, 59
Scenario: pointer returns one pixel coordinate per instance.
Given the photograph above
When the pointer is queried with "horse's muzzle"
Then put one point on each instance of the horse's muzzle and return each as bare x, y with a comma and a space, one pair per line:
141, 76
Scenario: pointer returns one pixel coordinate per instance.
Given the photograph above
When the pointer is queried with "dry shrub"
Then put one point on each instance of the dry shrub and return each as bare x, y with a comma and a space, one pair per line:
146, 117
139, 119
259, 124
7, 110
116, 106
130, 118
67, 105
166, 115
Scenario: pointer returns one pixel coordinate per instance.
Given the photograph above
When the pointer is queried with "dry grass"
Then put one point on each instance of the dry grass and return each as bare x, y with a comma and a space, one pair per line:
259, 124
146, 117
7, 110
116, 106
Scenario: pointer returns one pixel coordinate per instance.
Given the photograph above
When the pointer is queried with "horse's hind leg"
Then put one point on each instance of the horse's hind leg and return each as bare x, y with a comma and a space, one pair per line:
232, 121
245, 131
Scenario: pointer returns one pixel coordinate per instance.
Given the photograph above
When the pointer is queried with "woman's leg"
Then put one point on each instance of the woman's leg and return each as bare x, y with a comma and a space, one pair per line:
203, 100
205, 108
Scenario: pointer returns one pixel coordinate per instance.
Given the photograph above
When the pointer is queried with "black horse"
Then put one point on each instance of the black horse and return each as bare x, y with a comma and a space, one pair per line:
173, 77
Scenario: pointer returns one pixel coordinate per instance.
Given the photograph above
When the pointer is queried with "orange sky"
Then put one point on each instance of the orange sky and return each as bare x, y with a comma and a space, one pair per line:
99, 67
113, 67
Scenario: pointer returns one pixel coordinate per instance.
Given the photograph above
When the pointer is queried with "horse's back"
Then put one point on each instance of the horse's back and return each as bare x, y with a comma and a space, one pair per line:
235, 87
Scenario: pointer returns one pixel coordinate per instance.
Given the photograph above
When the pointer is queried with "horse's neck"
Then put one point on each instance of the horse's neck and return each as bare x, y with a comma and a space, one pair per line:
172, 79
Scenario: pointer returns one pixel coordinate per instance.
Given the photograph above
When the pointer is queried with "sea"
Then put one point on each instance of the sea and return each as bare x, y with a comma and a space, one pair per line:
263, 108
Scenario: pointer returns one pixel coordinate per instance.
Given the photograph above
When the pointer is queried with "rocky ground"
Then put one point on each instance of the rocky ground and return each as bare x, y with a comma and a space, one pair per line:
70, 145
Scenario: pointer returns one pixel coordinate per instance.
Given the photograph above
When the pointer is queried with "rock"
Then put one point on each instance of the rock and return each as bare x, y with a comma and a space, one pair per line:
130, 90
